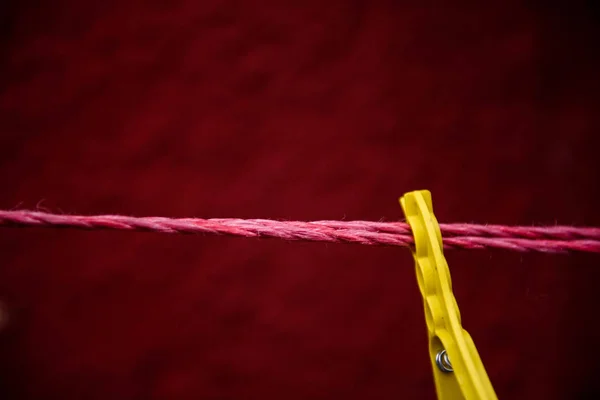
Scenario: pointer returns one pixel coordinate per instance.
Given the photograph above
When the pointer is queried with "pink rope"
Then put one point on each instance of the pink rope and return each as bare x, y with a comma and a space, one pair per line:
552, 239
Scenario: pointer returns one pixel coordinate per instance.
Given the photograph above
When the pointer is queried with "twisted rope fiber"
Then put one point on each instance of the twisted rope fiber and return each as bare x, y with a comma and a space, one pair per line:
551, 239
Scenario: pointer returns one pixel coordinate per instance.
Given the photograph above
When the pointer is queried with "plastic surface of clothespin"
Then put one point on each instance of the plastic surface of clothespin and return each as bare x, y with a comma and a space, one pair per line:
457, 368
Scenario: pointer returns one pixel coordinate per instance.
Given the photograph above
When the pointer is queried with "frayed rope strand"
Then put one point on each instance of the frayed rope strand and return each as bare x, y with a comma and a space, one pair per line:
551, 239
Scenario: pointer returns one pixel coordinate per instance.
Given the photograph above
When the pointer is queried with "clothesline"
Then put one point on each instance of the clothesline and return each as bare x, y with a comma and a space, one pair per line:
548, 239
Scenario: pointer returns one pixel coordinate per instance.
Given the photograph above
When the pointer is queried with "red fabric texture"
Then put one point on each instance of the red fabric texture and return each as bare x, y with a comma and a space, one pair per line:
291, 110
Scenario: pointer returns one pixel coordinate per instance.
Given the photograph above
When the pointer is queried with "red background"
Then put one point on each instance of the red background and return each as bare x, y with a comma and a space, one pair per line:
291, 110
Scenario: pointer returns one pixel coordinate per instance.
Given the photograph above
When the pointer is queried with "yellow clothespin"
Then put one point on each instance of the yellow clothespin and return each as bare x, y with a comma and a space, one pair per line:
457, 368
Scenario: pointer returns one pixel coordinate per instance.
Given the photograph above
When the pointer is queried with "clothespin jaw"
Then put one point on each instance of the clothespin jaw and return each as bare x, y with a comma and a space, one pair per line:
457, 368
